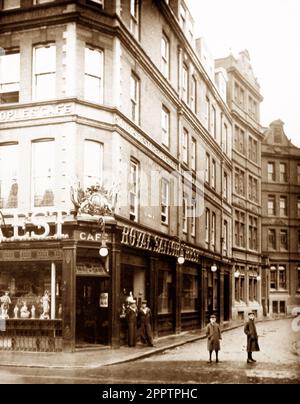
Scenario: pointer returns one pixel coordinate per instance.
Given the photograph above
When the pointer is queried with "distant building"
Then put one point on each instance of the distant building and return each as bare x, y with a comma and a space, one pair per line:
281, 221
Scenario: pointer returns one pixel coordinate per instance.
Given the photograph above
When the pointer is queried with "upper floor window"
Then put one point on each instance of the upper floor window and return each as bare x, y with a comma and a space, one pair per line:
10, 4
93, 75
225, 186
283, 206
283, 172
185, 83
207, 113
271, 239
182, 17
298, 174
165, 56
239, 140
225, 145
253, 233
239, 181
43, 166
134, 17
225, 237
207, 168
252, 107
44, 86
239, 95
213, 231
193, 154
165, 124
239, 229
134, 190
93, 163
184, 214
284, 240
9, 162
213, 122
207, 226
253, 149
214, 174
253, 189
185, 145
9, 77
298, 207
271, 172
271, 206
164, 201
193, 219
194, 95
135, 98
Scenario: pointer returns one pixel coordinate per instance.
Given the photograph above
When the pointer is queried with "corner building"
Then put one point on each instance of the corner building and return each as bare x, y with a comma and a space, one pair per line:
112, 94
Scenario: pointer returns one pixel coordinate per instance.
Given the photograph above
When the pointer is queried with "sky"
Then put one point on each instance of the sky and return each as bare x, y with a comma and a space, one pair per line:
270, 31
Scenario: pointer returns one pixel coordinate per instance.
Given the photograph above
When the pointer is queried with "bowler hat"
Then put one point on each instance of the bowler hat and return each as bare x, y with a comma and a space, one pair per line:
213, 316
251, 313
144, 301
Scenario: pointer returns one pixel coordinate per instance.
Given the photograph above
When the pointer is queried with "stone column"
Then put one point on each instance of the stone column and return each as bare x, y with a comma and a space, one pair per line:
69, 296
53, 289
221, 295
178, 293
154, 294
115, 272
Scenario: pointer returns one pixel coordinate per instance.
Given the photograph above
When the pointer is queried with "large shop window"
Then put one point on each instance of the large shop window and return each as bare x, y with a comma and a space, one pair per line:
43, 163
9, 77
165, 288
190, 290
93, 163
9, 176
44, 65
33, 290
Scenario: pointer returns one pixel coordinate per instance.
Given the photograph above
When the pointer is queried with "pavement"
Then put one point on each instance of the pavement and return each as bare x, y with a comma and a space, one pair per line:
103, 356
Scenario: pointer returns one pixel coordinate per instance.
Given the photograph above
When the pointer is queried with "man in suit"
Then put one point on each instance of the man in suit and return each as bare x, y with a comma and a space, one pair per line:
131, 316
213, 334
145, 318
252, 337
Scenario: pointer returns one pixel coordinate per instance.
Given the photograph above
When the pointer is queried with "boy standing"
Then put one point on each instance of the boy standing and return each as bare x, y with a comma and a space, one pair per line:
213, 334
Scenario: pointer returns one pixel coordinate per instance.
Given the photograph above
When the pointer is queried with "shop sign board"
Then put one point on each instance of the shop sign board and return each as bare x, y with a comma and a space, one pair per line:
135, 238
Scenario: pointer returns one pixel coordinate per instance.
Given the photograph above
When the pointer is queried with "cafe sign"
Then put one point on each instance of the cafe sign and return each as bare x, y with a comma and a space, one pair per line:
133, 237
32, 226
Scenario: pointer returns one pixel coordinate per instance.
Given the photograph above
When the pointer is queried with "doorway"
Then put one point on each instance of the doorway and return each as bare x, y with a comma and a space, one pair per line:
92, 319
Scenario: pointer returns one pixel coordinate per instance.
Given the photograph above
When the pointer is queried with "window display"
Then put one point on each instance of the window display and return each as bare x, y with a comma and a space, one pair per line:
24, 291
190, 290
165, 285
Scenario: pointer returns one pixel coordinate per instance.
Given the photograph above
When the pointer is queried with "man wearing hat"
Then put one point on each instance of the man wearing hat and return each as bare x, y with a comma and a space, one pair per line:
252, 337
145, 318
131, 316
213, 334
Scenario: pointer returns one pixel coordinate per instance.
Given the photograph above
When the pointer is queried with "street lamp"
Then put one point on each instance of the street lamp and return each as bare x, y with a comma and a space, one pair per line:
214, 268
181, 259
236, 273
258, 277
103, 251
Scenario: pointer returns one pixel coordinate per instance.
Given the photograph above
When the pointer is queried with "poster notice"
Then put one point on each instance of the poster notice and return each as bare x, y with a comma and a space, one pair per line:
103, 299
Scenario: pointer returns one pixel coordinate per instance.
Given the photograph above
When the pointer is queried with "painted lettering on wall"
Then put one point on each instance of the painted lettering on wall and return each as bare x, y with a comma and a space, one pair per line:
41, 111
32, 226
132, 237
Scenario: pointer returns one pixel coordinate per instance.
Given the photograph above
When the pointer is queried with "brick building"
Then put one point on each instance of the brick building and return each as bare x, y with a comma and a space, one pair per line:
281, 221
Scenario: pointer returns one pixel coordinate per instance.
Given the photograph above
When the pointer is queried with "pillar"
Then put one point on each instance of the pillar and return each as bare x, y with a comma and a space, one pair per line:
53, 290
69, 296
154, 294
115, 271
221, 295
178, 293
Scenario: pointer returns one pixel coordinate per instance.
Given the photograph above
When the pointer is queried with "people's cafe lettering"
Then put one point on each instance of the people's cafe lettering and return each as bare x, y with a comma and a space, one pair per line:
32, 226
138, 239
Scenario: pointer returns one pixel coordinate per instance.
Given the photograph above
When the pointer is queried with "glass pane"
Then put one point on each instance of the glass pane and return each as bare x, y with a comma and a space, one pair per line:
93, 62
93, 163
165, 286
9, 176
92, 89
45, 86
10, 68
45, 59
9, 4
43, 173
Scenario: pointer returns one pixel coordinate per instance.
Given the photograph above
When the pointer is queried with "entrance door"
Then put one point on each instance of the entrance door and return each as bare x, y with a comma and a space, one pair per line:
91, 310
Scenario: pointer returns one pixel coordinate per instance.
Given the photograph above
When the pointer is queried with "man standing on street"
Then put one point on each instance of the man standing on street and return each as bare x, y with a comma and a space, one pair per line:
131, 316
252, 338
145, 318
213, 334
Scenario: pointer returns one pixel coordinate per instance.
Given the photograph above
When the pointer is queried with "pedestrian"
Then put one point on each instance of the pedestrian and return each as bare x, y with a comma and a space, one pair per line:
145, 318
213, 334
252, 337
131, 316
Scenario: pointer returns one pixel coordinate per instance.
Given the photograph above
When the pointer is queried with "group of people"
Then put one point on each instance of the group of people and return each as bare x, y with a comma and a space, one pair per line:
139, 322
213, 334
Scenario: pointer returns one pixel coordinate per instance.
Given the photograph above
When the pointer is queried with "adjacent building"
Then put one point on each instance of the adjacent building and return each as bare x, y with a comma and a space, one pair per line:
281, 221
107, 111
244, 100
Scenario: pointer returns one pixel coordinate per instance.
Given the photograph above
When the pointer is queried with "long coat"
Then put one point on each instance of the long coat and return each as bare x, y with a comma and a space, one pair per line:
252, 338
213, 334
145, 318
131, 317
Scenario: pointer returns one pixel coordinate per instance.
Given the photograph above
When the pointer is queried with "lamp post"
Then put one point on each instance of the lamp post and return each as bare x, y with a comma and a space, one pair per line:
181, 259
103, 250
214, 268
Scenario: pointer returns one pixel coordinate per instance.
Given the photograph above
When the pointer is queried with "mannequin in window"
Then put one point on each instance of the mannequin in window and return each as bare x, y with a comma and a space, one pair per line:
5, 303
46, 307
13, 195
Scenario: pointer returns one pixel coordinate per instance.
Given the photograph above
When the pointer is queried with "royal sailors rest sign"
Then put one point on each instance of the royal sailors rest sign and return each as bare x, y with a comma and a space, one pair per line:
135, 238
32, 226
